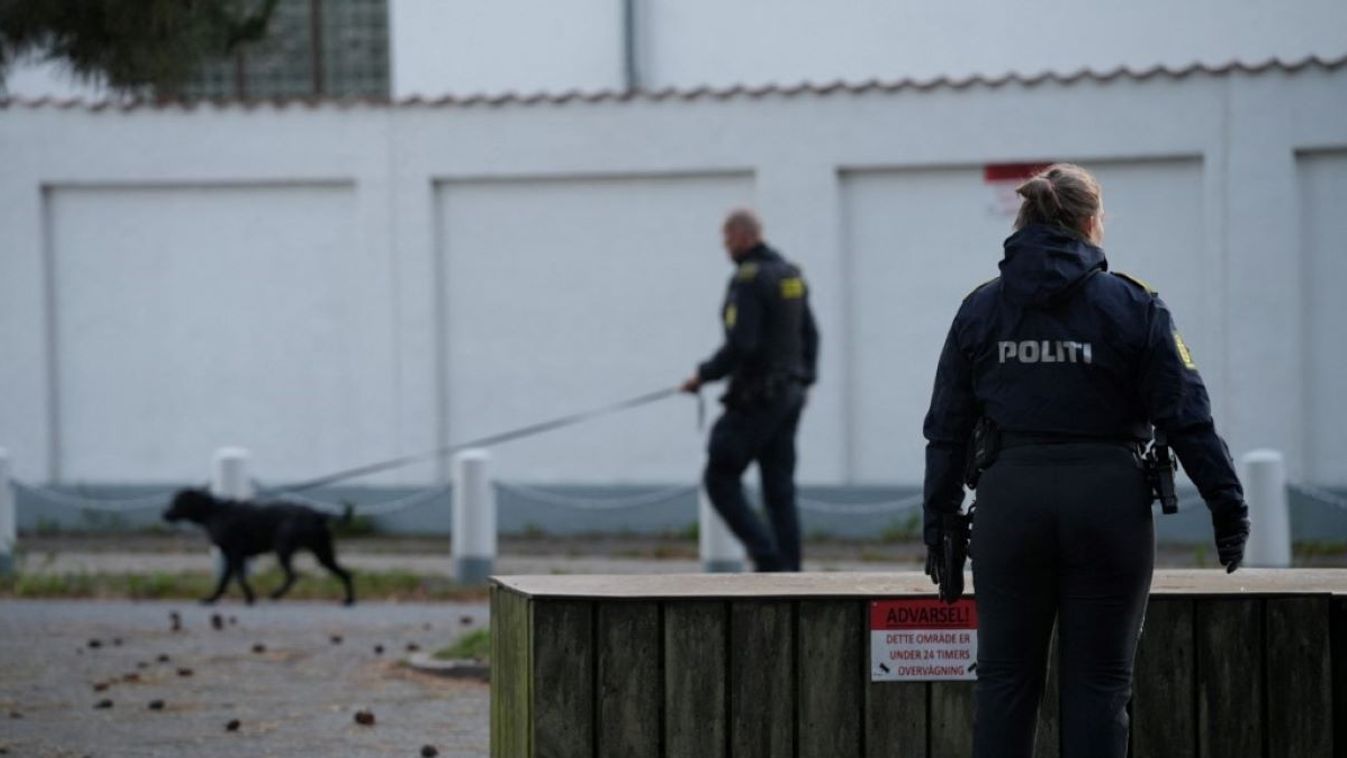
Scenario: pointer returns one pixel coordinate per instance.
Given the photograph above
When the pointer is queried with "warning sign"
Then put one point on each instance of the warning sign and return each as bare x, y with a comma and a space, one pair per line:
923, 640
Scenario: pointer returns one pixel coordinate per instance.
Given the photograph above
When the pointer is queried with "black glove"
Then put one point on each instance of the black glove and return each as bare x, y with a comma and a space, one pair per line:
944, 562
935, 558
1232, 531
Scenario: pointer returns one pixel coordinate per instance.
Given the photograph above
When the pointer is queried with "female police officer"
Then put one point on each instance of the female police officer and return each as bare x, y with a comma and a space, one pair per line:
1069, 367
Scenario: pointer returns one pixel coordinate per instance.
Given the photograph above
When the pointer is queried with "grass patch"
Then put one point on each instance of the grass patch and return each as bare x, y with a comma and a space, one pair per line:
475, 645
1318, 548
904, 530
369, 585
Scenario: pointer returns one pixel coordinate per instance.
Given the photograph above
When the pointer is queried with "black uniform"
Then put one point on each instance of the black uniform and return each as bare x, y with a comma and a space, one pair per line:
770, 354
1074, 365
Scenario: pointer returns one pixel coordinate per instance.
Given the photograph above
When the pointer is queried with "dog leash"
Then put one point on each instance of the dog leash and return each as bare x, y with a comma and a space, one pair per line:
493, 439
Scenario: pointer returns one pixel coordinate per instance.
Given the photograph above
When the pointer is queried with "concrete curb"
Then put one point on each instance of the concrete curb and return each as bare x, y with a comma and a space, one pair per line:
463, 668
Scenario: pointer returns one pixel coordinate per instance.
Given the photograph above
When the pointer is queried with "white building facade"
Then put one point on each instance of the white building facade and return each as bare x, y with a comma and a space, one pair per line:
335, 283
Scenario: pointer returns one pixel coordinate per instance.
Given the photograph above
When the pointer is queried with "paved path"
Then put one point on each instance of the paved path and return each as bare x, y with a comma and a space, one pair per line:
298, 697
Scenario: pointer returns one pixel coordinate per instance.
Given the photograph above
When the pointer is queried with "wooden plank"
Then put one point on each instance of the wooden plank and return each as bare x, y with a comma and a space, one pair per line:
895, 712
1299, 685
1230, 696
510, 729
1338, 632
830, 680
563, 679
1163, 685
895, 719
951, 719
762, 679
695, 679
837, 585
630, 692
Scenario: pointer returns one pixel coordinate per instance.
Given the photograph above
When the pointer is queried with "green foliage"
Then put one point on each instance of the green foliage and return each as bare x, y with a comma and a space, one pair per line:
101, 521
130, 45
690, 532
475, 645
370, 585
1201, 557
351, 524
1318, 548
907, 530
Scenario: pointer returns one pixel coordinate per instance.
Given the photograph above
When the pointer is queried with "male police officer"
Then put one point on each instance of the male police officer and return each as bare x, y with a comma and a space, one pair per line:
770, 354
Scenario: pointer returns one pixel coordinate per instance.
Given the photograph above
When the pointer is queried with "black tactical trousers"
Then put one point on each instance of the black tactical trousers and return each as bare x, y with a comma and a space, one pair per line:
765, 433
1061, 532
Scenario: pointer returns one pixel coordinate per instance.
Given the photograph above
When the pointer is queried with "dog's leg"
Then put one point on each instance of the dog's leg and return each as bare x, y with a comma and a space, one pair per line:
283, 555
239, 568
322, 550
226, 573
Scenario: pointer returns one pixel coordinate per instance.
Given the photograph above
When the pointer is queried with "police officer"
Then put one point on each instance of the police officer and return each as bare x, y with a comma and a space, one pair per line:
1074, 365
770, 355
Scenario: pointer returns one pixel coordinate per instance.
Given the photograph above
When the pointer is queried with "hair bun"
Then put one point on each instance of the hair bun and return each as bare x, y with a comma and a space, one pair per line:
1063, 194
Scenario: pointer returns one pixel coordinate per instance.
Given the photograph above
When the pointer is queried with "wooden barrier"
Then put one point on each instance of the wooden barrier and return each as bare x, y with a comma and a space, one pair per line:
772, 665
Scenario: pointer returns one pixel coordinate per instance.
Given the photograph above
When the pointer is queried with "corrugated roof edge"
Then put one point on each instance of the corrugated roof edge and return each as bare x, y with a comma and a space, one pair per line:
697, 93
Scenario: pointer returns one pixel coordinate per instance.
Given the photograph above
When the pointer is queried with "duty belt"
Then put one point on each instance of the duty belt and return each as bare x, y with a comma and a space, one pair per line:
1022, 439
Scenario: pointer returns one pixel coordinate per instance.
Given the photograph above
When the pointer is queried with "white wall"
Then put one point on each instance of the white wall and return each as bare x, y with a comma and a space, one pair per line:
483, 266
695, 42
243, 312
899, 259
493, 46
474, 46
566, 294
1323, 190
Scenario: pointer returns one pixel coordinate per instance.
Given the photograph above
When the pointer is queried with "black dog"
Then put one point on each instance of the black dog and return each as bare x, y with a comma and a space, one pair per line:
243, 529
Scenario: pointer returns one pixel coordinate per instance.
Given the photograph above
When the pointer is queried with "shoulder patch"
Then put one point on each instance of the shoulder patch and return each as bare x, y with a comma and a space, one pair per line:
746, 272
1138, 281
979, 288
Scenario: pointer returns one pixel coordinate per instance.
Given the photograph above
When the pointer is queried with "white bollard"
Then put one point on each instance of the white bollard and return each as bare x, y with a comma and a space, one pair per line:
1269, 512
9, 518
229, 480
720, 550
229, 475
473, 543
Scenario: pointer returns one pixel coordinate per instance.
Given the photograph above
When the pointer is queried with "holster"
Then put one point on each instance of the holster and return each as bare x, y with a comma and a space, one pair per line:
983, 447
755, 391
956, 529
1159, 464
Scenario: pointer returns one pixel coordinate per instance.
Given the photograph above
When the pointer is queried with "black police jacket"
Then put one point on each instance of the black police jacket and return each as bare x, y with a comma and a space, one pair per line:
1057, 346
770, 332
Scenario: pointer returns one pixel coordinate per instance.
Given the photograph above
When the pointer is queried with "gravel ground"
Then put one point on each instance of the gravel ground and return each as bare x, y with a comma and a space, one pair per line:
298, 696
